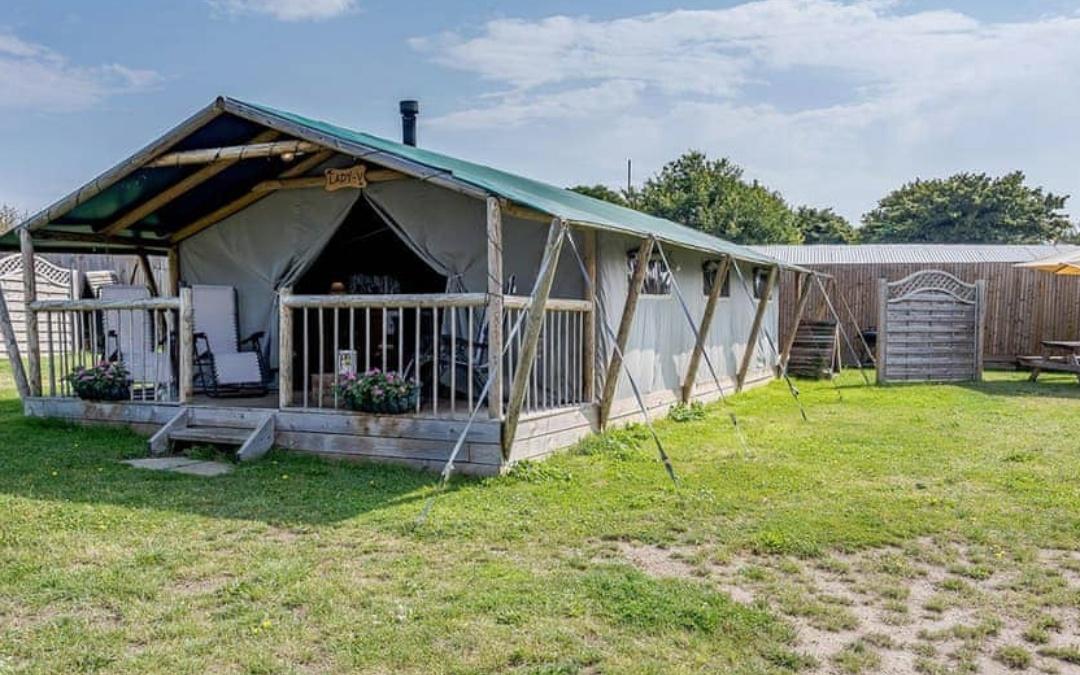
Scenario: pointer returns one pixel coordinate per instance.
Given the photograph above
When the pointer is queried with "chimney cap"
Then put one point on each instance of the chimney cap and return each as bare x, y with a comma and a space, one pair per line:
410, 107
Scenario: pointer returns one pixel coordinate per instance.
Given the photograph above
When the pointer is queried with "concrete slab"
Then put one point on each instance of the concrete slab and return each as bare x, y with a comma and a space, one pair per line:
185, 465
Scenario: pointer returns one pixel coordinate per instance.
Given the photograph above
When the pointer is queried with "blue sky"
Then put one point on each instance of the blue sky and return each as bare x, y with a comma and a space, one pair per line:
832, 103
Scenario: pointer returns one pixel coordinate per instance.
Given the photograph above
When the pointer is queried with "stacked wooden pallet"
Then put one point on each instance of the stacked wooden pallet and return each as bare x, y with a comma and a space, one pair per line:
814, 353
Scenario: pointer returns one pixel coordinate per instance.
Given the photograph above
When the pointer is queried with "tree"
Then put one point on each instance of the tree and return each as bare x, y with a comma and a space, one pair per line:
824, 226
968, 208
711, 195
602, 192
9, 216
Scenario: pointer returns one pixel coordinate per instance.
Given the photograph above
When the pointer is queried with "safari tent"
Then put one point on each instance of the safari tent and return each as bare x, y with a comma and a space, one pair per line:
300, 253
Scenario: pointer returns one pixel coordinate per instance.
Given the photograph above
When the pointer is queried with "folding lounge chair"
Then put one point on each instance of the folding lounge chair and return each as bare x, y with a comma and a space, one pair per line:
130, 339
225, 365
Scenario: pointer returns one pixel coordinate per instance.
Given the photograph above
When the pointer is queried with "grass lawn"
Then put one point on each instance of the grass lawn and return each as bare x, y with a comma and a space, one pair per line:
908, 527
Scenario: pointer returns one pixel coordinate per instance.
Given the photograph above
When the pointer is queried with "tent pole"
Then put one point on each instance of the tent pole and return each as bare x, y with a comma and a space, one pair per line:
17, 368
33, 347
531, 337
755, 329
703, 329
588, 347
495, 304
802, 284
611, 374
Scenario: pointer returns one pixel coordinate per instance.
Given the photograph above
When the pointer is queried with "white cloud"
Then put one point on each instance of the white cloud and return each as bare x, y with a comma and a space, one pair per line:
37, 78
830, 102
286, 10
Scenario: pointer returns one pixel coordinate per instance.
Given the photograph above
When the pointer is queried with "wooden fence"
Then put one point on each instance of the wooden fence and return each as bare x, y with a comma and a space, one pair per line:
1023, 307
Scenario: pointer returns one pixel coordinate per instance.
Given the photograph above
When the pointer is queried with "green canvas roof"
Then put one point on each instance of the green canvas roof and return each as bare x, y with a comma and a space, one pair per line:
229, 121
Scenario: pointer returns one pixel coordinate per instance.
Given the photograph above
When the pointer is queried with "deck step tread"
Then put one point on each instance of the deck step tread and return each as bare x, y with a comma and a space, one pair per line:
218, 435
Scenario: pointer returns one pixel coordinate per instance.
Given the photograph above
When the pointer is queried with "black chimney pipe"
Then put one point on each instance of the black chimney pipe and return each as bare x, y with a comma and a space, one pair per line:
409, 110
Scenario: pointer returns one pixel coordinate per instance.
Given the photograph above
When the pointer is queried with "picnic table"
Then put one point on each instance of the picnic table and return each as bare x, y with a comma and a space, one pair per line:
1069, 363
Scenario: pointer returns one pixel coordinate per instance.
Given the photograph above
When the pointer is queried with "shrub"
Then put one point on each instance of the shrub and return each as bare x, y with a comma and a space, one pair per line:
107, 381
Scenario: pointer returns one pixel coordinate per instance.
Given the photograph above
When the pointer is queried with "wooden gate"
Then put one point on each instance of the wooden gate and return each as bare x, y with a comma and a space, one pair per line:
930, 327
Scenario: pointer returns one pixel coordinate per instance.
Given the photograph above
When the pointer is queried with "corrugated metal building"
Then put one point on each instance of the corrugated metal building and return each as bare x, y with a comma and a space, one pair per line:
1023, 307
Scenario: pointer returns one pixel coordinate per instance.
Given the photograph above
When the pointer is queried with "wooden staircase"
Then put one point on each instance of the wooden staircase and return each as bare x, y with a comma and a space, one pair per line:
253, 436
815, 352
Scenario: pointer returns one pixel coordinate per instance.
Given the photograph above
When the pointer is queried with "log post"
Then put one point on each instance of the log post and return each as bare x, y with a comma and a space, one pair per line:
495, 303
755, 329
611, 375
882, 328
33, 346
703, 329
174, 271
531, 338
588, 346
18, 371
285, 349
148, 273
802, 287
980, 327
186, 345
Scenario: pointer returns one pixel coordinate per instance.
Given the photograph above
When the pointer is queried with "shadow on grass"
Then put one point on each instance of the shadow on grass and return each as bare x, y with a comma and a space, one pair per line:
1050, 385
53, 460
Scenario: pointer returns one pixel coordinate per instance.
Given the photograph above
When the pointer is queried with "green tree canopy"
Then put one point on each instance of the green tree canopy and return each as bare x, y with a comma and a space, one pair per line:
602, 192
712, 196
968, 208
824, 226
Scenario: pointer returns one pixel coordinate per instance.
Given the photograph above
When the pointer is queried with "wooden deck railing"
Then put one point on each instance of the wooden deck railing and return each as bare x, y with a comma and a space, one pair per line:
437, 341
145, 336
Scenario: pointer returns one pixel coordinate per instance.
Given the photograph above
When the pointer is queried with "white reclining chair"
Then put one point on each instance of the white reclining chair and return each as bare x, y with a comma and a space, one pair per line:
130, 339
225, 365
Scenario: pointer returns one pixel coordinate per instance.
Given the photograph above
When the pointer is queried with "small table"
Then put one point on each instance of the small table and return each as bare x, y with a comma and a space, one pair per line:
1065, 345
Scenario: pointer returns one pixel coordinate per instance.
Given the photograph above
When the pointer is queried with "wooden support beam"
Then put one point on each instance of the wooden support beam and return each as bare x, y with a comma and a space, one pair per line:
530, 340
611, 375
18, 371
588, 347
803, 286
33, 346
285, 349
186, 346
234, 153
247, 200
495, 303
703, 328
169, 194
755, 329
174, 271
94, 238
148, 273
372, 176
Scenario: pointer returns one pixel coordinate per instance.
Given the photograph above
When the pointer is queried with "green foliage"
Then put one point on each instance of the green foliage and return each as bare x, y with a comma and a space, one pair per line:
968, 208
620, 443
1014, 657
680, 412
712, 196
602, 192
824, 226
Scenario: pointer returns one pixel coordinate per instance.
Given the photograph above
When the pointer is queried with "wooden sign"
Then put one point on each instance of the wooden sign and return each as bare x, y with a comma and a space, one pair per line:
352, 177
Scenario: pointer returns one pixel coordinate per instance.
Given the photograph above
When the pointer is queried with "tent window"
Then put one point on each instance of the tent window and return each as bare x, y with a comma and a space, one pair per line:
709, 270
761, 281
657, 278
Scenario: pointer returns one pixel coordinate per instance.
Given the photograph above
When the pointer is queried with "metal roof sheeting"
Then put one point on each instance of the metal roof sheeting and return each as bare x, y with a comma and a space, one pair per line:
869, 254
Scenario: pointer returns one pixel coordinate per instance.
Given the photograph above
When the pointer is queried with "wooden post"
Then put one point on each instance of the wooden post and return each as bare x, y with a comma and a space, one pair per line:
33, 346
703, 329
531, 338
755, 329
882, 328
174, 271
8, 331
495, 302
187, 345
148, 272
285, 355
803, 286
611, 375
588, 346
980, 326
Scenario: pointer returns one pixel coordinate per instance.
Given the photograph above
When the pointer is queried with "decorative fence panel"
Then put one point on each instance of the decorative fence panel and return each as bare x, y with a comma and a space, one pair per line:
931, 328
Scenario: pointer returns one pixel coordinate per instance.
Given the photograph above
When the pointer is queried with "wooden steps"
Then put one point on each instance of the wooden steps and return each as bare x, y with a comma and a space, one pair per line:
252, 435
814, 353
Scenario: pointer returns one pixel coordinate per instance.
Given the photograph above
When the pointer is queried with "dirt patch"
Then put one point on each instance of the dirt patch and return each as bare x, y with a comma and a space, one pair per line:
931, 607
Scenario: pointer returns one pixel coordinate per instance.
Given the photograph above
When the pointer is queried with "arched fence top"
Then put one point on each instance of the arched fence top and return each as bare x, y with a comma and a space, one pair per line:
930, 283
12, 267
